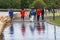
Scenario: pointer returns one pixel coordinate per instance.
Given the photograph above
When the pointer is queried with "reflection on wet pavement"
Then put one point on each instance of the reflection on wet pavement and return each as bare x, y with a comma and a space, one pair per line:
11, 28
32, 28
39, 28
31, 31
43, 27
23, 29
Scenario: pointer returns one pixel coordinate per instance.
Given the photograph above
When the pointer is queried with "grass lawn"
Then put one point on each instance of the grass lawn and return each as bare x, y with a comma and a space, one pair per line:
51, 14
56, 21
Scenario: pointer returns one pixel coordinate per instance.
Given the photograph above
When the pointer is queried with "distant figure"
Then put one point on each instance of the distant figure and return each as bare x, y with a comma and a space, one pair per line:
53, 10
22, 14
42, 14
49, 10
38, 13
11, 14
32, 13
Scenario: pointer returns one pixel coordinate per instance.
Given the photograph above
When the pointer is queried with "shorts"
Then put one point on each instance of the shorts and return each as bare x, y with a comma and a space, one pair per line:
11, 17
31, 18
22, 17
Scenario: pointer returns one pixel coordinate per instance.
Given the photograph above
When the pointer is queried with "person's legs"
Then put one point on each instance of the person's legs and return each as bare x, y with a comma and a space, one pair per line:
37, 18
11, 18
22, 17
42, 17
31, 18
34, 17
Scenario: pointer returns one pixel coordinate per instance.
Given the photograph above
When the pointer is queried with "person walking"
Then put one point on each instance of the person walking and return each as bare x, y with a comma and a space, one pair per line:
35, 15
38, 13
32, 13
22, 14
42, 14
11, 14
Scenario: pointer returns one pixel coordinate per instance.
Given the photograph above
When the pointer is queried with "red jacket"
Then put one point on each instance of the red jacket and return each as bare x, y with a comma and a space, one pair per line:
22, 13
38, 12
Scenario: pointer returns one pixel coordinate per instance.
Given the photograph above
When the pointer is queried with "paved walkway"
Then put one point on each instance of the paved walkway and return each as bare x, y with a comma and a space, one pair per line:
31, 31
27, 19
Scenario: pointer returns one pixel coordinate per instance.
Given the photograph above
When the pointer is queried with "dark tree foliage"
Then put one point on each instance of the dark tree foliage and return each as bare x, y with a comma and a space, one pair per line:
17, 4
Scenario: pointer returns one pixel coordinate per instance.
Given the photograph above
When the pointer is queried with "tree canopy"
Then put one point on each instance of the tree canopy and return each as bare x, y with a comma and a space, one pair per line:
17, 4
39, 4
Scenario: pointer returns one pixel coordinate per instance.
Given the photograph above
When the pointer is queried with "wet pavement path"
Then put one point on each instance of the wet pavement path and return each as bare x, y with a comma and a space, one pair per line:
31, 31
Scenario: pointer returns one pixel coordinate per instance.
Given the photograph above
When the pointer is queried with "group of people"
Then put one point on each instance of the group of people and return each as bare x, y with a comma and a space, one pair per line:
33, 14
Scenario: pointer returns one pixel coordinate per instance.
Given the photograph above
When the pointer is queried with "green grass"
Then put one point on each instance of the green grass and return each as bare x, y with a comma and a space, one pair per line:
51, 14
56, 21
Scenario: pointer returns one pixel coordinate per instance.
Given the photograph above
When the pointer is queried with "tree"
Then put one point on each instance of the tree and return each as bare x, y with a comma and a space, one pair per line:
39, 4
52, 3
24, 3
57, 3
10, 4
29, 3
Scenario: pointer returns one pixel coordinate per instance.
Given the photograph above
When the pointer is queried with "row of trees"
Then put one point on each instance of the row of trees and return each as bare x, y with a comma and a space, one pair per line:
17, 4
52, 3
